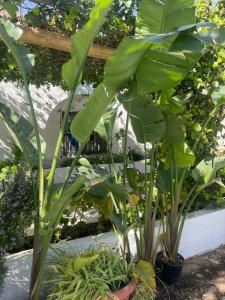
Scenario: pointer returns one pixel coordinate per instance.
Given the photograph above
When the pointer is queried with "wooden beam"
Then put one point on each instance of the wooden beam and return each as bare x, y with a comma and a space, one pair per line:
50, 39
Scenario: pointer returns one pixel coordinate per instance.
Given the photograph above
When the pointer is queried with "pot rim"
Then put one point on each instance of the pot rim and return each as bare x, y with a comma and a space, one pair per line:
125, 292
169, 263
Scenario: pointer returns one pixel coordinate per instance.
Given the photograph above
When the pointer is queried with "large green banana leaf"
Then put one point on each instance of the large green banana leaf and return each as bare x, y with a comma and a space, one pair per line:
154, 69
147, 119
119, 68
86, 120
163, 70
22, 132
82, 40
165, 15
182, 156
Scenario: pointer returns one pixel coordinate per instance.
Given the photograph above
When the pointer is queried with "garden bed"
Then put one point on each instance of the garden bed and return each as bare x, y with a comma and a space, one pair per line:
203, 231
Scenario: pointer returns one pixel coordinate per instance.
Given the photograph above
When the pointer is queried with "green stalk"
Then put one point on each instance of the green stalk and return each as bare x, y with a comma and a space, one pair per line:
124, 203
74, 163
173, 211
38, 267
148, 208
58, 148
181, 219
39, 202
38, 141
125, 147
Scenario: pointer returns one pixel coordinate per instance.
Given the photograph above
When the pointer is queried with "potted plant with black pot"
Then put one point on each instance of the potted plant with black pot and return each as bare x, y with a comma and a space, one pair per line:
180, 180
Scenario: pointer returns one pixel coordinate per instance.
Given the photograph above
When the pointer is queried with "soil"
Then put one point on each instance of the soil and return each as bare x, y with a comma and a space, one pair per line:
203, 279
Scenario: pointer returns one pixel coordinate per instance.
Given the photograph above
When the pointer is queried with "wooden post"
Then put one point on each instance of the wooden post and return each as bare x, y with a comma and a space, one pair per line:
50, 39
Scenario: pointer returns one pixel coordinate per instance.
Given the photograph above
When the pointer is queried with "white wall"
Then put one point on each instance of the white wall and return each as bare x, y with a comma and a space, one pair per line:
203, 231
48, 100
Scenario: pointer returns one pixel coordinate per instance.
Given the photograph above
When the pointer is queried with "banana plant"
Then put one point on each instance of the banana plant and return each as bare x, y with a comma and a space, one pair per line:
50, 201
163, 51
172, 173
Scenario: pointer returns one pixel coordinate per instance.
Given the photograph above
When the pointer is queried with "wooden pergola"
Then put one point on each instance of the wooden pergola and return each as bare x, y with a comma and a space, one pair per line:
49, 39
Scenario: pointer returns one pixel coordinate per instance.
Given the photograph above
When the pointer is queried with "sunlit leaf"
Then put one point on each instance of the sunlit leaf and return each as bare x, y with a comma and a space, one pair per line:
82, 40
145, 273
165, 15
218, 95
206, 170
78, 263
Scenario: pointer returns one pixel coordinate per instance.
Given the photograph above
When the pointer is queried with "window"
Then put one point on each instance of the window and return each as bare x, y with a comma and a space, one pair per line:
95, 145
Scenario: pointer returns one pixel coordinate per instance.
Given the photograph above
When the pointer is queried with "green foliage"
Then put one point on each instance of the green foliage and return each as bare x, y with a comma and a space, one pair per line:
207, 74
11, 8
104, 272
68, 229
90, 275
99, 159
9, 33
146, 274
73, 14
3, 271
16, 205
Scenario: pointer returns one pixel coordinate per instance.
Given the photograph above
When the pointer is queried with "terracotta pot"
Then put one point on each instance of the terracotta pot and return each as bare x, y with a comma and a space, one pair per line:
124, 293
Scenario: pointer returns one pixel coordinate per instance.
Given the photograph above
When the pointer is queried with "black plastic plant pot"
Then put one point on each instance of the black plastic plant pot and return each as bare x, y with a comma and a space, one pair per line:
170, 271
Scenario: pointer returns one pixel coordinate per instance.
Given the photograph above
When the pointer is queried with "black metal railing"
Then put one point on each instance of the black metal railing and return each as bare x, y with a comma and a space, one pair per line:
95, 145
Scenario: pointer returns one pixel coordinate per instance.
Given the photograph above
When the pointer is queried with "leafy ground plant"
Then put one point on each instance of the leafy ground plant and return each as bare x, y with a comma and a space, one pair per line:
92, 275
16, 206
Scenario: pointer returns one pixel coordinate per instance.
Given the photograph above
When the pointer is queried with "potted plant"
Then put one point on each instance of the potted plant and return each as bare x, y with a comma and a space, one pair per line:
100, 274
153, 110
144, 60
177, 197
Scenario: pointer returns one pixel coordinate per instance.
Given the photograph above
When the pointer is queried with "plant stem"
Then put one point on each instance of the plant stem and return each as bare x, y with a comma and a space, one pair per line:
149, 230
125, 147
71, 170
181, 217
58, 148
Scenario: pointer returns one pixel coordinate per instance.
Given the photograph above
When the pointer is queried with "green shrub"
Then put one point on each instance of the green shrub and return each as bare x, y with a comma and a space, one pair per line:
3, 270
103, 272
16, 205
